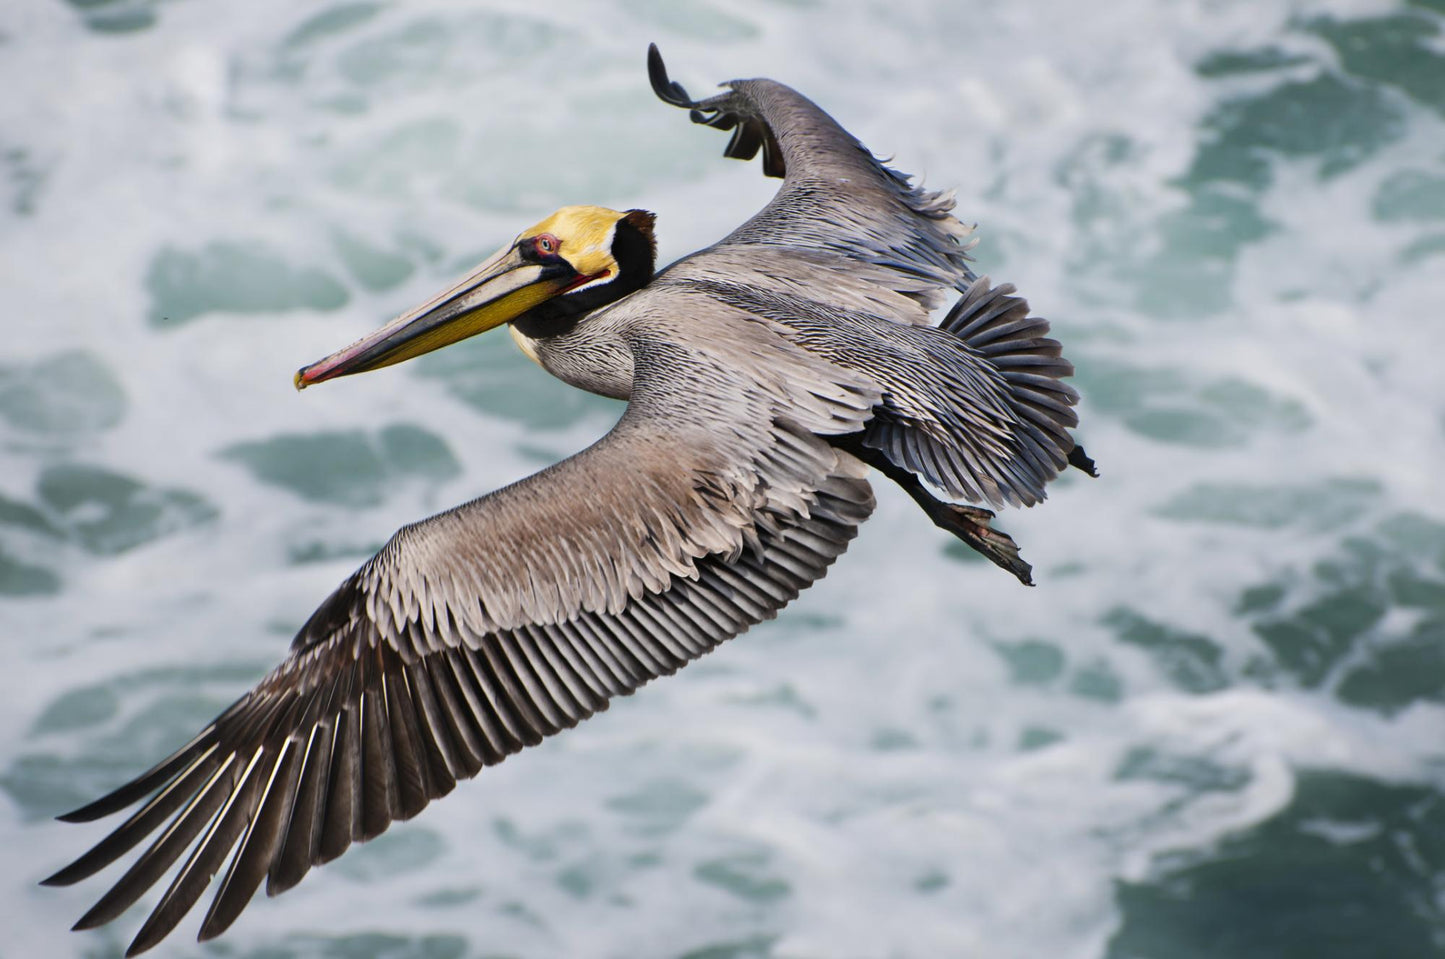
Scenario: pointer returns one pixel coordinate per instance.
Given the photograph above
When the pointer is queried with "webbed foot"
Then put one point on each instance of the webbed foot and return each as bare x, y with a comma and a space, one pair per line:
973, 525
1079, 460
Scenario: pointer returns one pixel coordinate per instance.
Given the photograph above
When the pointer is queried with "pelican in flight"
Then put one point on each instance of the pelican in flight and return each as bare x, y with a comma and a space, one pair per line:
763, 376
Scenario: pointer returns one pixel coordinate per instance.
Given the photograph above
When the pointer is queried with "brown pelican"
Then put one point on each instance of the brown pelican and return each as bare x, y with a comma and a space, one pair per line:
763, 377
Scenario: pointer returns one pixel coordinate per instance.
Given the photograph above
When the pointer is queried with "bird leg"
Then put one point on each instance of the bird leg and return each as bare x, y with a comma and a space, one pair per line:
969, 523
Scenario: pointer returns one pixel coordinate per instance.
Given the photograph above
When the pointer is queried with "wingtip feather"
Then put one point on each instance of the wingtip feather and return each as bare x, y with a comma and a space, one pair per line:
667, 89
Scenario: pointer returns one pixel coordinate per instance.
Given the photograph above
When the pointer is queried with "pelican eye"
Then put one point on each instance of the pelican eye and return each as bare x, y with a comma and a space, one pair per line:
546, 245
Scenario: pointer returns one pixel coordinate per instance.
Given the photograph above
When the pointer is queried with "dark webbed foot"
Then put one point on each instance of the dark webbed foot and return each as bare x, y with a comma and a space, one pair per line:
1078, 459
972, 525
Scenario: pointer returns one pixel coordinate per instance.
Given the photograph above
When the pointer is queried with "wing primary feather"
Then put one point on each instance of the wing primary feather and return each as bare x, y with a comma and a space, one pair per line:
342, 797
148, 781
745, 143
379, 799
411, 752
668, 90
441, 779
140, 825
259, 845
304, 822
773, 163
226, 827
153, 863
301, 845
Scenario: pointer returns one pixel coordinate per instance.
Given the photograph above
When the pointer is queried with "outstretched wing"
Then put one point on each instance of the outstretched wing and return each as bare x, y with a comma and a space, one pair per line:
484, 629
836, 198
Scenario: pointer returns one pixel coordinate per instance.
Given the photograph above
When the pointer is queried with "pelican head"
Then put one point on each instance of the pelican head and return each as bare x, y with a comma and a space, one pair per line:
578, 259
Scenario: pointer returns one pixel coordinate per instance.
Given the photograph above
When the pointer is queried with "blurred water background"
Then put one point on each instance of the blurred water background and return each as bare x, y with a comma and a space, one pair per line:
1215, 729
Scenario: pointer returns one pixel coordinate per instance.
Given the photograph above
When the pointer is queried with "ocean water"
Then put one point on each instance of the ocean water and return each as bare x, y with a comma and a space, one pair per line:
1215, 729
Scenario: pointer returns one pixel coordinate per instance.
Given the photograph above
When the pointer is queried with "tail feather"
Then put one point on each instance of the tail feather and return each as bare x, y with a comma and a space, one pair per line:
1002, 405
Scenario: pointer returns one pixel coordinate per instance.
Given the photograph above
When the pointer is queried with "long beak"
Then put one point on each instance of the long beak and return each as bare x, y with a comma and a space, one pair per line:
501, 289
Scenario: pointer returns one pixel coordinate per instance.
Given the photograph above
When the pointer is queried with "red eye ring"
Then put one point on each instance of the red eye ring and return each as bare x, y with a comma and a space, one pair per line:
546, 244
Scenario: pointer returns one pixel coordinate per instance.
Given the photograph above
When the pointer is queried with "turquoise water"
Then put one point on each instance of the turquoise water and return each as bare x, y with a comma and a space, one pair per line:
1215, 729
